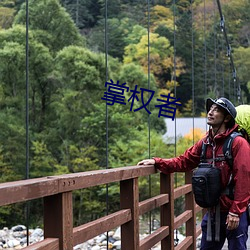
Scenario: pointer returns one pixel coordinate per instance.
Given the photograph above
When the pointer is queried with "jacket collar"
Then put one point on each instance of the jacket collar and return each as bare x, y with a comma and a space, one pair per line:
221, 136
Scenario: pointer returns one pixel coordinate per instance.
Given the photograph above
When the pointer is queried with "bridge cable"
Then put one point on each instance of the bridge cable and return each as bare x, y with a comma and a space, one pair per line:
222, 66
106, 77
149, 134
215, 51
175, 92
229, 54
192, 73
27, 204
205, 50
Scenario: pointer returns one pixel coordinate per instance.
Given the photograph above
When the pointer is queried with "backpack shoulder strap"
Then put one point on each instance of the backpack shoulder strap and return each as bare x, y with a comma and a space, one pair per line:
227, 148
203, 152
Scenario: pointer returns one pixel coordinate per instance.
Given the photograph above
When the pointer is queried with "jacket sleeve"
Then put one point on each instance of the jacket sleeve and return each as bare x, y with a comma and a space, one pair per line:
241, 175
185, 162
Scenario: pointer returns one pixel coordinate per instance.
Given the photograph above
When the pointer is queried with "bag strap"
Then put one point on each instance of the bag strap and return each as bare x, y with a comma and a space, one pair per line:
227, 151
203, 152
227, 148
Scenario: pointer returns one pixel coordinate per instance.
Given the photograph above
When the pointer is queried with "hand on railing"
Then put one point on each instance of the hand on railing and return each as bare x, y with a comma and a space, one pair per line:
146, 162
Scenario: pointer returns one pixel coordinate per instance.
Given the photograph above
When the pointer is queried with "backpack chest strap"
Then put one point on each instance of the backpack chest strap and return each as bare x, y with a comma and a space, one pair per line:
217, 159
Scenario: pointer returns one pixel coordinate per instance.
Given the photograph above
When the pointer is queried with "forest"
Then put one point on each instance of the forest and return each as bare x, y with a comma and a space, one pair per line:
54, 71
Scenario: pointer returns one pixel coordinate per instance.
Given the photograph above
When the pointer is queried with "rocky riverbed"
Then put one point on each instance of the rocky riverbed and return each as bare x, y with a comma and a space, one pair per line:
16, 238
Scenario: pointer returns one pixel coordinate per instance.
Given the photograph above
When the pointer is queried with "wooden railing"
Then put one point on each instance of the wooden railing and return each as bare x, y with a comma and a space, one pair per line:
59, 232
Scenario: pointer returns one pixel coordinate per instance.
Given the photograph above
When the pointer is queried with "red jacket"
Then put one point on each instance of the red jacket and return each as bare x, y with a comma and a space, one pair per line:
241, 167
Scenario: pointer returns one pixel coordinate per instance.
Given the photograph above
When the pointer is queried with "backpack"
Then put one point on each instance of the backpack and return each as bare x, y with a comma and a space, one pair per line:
206, 179
243, 120
206, 185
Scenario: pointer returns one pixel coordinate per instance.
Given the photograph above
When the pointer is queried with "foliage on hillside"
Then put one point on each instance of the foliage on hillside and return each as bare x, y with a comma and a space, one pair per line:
71, 57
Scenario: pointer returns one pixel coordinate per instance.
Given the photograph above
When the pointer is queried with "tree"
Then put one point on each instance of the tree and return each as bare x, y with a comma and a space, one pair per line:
84, 13
6, 17
40, 67
117, 33
242, 64
161, 57
53, 25
161, 16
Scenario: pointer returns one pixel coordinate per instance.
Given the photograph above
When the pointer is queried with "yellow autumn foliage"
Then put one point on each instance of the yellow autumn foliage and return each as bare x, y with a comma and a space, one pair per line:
195, 134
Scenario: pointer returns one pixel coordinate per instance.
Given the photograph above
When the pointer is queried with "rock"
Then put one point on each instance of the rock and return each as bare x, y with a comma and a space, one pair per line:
13, 243
95, 248
3, 233
38, 232
117, 234
117, 244
18, 228
111, 233
16, 238
103, 243
111, 239
100, 238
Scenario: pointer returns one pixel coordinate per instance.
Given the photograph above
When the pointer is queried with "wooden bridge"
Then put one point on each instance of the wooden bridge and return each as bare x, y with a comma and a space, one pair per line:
56, 192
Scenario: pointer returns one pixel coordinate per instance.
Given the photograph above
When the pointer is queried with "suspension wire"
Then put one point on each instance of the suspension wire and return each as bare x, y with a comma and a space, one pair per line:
215, 53
27, 206
229, 83
174, 73
149, 142
222, 68
174, 78
229, 54
192, 76
77, 13
107, 125
205, 51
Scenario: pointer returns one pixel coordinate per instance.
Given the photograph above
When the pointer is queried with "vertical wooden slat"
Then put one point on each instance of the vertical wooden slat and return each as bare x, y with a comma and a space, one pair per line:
129, 197
190, 205
167, 210
58, 219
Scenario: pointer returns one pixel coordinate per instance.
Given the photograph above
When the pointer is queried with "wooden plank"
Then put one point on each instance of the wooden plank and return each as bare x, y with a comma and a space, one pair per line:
198, 209
24, 190
190, 205
185, 244
178, 192
152, 203
90, 230
198, 231
99, 177
182, 218
129, 196
58, 219
46, 244
154, 238
167, 210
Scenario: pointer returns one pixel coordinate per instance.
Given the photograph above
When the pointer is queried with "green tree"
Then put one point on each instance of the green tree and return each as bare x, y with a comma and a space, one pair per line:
161, 57
53, 25
6, 17
241, 56
117, 32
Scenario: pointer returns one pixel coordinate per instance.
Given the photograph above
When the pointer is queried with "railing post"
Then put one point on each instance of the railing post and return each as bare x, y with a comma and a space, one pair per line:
167, 210
190, 205
129, 198
58, 219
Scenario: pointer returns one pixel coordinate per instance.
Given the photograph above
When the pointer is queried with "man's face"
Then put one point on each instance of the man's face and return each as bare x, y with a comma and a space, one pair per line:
215, 116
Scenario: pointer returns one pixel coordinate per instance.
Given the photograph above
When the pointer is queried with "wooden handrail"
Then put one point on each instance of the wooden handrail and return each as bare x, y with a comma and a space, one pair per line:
58, 208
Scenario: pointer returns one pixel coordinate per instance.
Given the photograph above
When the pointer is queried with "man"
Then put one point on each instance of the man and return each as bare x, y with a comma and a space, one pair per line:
221, 115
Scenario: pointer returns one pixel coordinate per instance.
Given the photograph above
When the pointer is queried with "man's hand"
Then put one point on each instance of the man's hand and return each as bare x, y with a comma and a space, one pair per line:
232, 221
146, 162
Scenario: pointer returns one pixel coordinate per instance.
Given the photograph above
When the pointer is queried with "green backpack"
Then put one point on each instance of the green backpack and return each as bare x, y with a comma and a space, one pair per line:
243, 120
